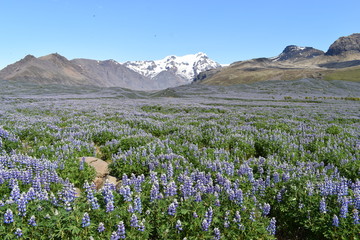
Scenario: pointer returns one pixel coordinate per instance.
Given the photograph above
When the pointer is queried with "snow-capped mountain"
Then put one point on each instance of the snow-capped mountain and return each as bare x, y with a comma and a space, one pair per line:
186, 67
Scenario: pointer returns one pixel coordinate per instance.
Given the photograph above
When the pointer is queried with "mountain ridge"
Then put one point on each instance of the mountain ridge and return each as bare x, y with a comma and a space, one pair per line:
56, 69
340, 62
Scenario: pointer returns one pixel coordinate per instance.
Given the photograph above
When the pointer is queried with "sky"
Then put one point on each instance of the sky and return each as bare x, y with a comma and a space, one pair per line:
226, 30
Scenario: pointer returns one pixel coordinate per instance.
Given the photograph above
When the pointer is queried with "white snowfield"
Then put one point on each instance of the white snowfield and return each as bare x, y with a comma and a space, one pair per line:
187, 66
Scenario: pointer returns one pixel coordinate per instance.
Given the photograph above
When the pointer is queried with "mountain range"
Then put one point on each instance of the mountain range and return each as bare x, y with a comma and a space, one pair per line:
340, 62
171, 71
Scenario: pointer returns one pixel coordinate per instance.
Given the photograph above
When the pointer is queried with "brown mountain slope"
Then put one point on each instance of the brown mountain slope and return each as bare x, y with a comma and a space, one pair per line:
50, 69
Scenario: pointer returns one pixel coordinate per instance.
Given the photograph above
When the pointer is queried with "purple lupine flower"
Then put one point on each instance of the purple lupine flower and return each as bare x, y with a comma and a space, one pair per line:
134, 221
31, 195
101, 227
198, 197
170, 171
18, 232
267, 181
125, 180
252, 215
187, 188
266, 209
108, 193
8, 216
356, 216
276, 177
85, 220
94, 203
217, 234
279, 196
121, 230
53, 199
154, 192
272, 226
21, 202
205, 225
90, 196
238, 196
226, 219
137, 205
172, 209
217, 202
15, 192
67, 195
285, 176
137, 183
32, 221
153, 177
322, 205
81, 165
178, 225
237, 219
209, 215
356, 199
343, 187
141, 226
131, 209
195, 215
335, 221
344, 207
114, 236
163, 179
126, 192
110, 207
170, 189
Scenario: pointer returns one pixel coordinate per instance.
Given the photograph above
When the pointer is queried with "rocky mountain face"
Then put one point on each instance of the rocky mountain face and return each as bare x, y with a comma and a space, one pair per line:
296, 53
345, 45
142, 75
110, 73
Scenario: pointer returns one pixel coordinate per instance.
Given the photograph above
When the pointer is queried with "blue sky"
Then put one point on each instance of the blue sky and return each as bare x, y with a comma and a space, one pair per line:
226, 30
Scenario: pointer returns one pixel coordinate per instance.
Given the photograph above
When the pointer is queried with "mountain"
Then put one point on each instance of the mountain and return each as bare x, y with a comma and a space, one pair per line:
110, 73
296, 53
50, 69
345, 45
56, 69
141, 75
185, 67
340, 62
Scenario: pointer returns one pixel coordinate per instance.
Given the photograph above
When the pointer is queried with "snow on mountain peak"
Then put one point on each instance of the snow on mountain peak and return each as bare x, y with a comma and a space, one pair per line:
187, 67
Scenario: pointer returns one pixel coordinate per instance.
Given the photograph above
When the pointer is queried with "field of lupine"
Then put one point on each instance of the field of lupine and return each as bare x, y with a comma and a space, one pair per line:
200, 166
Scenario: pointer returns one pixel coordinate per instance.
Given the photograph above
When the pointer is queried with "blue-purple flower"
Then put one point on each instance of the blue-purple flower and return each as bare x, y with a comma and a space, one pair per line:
85, 220
322, 206
172, 209
8, 216
272, 226
101, 227
121, 232
335, 221
18, 233
178, 225
32, 221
